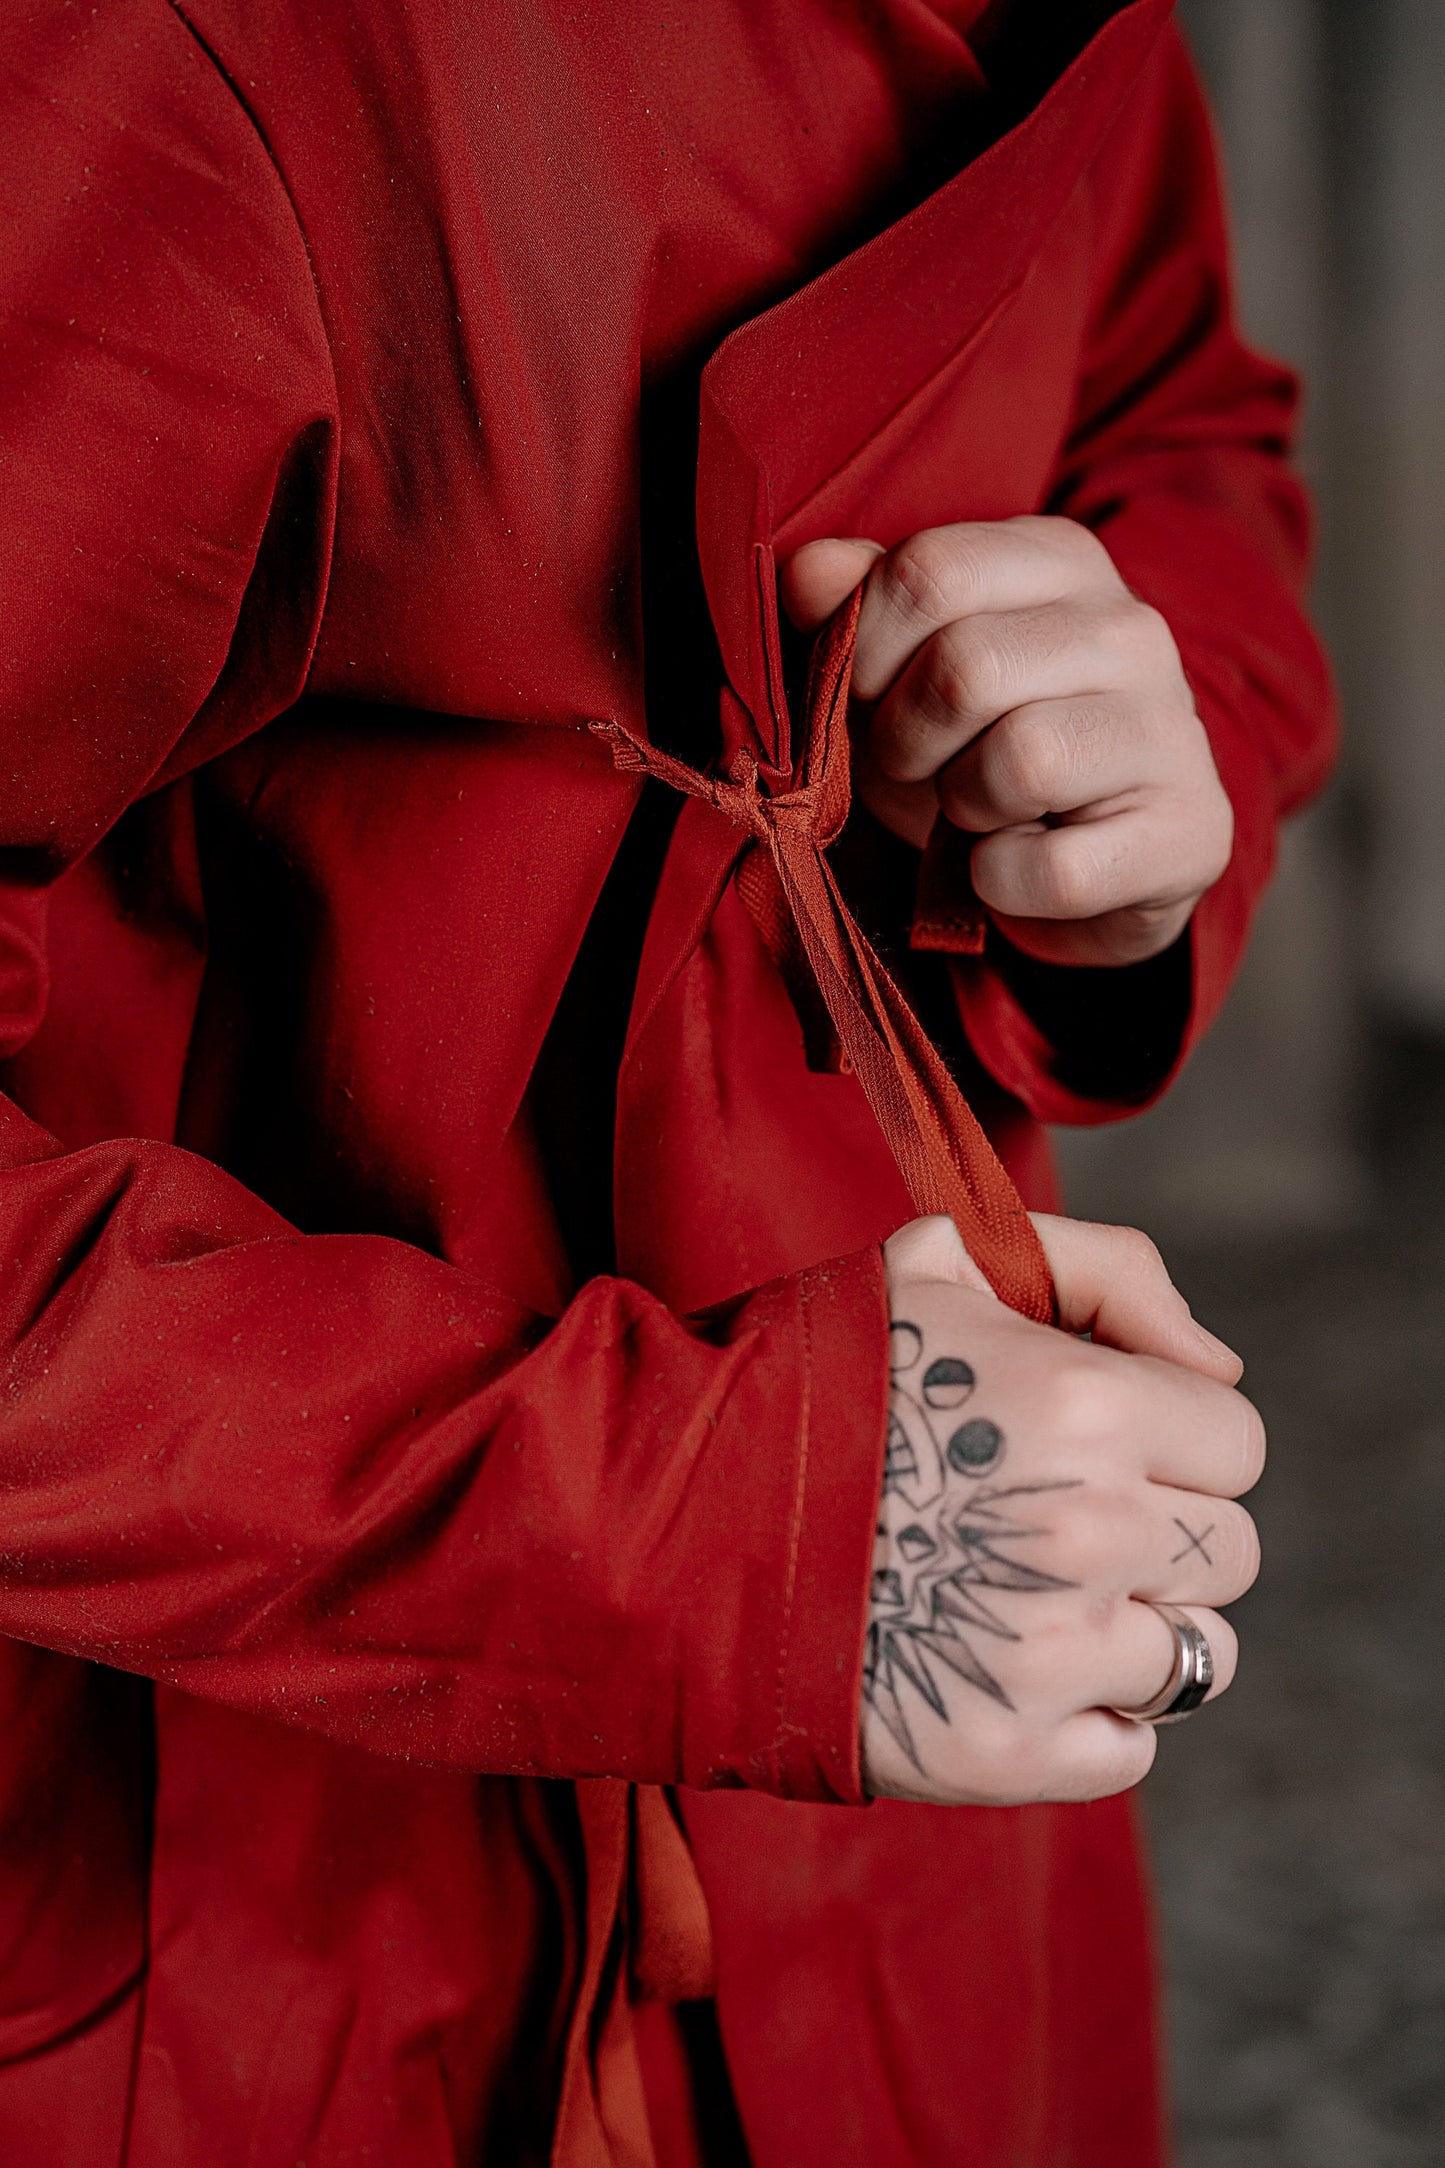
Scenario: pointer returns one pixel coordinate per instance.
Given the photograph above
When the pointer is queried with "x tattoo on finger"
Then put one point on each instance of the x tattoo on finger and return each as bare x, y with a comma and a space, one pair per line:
1192, 1542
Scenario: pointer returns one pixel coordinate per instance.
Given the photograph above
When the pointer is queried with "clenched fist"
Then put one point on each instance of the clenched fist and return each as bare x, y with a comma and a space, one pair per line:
1042, 1494
1005, 674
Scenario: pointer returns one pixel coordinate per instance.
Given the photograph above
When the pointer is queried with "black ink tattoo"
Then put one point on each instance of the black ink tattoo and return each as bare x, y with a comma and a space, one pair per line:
1192, 1542
943, 1530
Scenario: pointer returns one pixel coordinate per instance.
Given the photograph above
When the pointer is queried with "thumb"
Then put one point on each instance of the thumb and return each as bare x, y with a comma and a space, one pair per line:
820, 575
1112, 1285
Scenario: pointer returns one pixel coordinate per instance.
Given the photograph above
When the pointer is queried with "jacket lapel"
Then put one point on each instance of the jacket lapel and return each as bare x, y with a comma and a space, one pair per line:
790, 397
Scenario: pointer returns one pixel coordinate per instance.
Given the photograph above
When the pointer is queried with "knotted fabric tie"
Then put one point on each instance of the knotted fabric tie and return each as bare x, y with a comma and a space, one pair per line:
945, 1159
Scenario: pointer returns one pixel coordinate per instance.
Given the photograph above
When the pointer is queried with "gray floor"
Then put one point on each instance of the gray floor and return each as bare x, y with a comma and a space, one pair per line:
1300, 1826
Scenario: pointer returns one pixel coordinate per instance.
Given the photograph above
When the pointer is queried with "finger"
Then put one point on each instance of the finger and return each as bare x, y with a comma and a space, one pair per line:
1153, 1541
947, 573
1112, 1284
1001, 1756
1204, 1550
1056, 756
1144, 858
1190, 1432
1142, 1652
1106, 942
977, 668
821, 575
1125, 1664
1117, 1656
1095, 1755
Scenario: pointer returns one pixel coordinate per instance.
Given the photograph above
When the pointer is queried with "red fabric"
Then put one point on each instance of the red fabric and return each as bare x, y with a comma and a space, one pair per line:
937, 1143
331, 342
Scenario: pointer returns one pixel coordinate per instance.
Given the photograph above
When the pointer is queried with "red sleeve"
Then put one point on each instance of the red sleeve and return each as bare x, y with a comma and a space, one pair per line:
334, 1480
340, 1482
1179, 460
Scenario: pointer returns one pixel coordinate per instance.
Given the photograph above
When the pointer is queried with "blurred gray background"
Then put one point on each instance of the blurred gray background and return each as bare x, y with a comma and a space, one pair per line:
1296, 1180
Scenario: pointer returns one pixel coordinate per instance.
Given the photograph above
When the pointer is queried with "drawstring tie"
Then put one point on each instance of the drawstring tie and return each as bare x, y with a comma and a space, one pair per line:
943, 1155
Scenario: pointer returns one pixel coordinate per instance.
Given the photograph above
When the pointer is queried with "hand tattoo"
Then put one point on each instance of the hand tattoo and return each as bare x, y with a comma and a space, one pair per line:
1192, 1542
941, 1529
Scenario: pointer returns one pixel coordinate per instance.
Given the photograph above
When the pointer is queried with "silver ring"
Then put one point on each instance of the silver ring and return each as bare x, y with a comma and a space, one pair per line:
1190, 1676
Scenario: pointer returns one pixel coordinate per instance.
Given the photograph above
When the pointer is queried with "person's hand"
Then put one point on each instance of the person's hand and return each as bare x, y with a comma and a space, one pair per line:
1005, 673
1041, 1492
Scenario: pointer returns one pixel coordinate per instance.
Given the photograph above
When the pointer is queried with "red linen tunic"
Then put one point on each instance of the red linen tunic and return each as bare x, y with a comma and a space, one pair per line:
349, 355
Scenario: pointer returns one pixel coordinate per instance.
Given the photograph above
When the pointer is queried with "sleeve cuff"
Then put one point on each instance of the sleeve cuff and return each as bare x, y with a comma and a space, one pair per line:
799, 1713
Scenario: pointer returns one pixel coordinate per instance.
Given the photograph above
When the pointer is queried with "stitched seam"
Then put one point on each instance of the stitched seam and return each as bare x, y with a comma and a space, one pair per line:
796, 1534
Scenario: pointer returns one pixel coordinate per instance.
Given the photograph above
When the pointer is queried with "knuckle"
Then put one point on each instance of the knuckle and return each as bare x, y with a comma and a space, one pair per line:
1070, 878
1067, 538
1025, 762
1149, 636
1130, 629
929, 571
1101, 1609
1085, 1403
1086, 544
967, 673
1139, 1253
913, 1245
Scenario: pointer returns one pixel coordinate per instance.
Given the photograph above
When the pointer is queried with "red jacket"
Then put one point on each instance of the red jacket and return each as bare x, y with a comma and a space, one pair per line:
340, 417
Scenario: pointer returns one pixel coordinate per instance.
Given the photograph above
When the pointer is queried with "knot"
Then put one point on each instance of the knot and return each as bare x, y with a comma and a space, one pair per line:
738, 793
798, 812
